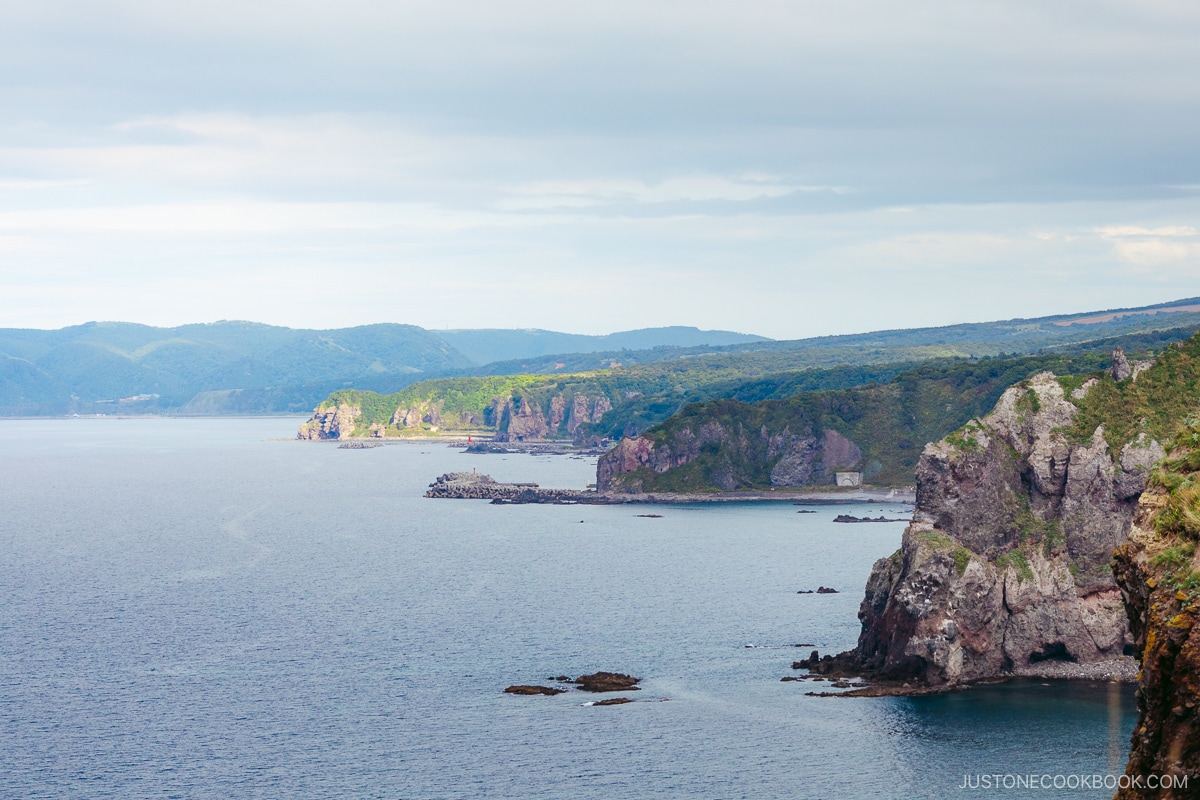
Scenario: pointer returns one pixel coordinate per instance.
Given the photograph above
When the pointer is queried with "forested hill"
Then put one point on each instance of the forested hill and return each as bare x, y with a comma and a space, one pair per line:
878, 431
968, 340
249, 368
487, 345
609, 404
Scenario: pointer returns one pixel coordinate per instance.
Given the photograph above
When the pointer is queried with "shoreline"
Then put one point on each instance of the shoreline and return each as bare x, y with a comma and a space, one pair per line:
474, 486
820, 497
1123, 670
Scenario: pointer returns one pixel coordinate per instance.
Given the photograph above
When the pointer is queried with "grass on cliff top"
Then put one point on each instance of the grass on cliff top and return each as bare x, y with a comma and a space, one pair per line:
1179, 474
462, 402
1178, 520
1155, 404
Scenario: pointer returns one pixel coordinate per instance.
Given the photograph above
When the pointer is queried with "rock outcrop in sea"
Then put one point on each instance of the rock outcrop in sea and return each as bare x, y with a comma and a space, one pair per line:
470, 486
1006, 563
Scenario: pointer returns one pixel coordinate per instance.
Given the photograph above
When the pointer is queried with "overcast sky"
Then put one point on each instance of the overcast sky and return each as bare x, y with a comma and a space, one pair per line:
782, 168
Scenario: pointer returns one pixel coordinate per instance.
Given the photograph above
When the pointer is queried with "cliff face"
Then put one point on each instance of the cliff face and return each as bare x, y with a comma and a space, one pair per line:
876, 429
796, 459
1006, 562
334, 422
1158, 571
511, 418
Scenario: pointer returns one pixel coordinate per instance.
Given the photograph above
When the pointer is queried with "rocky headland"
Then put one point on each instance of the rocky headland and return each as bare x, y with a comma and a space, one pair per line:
507, 417
1005, 568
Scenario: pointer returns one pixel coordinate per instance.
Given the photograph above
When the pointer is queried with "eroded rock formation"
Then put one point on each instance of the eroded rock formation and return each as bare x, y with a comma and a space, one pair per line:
1006, 561
417, 414
337, 422
513, 419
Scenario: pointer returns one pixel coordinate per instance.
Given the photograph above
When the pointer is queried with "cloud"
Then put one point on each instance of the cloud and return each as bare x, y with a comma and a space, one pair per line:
1153, 252
693, 188
1144, 247
755, 162
1123, 231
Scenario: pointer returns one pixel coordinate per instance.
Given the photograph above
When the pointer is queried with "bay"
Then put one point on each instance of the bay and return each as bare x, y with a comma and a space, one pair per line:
206, 608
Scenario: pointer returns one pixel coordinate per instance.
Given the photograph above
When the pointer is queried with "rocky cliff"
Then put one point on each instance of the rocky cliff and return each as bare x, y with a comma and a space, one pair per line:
331, 422
1006, 563
877, 430
511, 417
1158, 571
797, 459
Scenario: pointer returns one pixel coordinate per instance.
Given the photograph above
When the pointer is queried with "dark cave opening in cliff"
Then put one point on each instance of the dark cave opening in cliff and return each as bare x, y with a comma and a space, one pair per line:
1054, 651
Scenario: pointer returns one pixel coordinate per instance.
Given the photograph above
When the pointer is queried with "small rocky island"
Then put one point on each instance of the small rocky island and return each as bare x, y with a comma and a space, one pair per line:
851, 518
596, 682
471, 486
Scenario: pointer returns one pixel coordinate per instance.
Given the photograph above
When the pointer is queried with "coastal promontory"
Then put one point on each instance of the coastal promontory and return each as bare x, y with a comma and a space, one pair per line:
1005, 568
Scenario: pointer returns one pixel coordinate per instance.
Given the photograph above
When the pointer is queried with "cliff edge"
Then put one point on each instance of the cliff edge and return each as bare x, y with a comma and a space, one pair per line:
1158, 570
1006, 564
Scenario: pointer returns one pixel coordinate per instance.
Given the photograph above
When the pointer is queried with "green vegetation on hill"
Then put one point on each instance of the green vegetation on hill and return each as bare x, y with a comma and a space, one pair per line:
487, 345
238, 366
890, 423
242, 367
971, 340
1154, 403
640, 397
1180, 515
643, 396
461, 401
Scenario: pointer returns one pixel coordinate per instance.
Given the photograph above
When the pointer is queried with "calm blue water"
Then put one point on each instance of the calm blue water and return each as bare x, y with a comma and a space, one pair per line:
196, 608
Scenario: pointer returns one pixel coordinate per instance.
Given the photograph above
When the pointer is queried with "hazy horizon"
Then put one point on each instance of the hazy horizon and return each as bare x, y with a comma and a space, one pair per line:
789, 171
600, 333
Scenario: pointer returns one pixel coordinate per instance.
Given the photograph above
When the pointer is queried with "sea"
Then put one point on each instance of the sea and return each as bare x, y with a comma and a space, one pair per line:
208, 608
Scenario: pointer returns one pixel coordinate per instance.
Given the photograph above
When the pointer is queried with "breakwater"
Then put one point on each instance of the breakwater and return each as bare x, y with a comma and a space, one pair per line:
470, 486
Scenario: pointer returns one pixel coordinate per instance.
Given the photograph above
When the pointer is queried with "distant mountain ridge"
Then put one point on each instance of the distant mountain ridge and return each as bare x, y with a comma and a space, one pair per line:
252, 368
248, 367
487, 345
